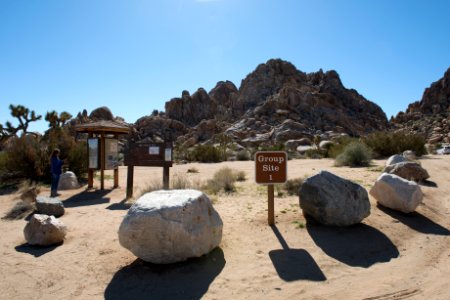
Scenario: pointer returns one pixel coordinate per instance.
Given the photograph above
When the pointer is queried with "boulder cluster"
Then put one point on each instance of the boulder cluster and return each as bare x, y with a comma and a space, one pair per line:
334, 201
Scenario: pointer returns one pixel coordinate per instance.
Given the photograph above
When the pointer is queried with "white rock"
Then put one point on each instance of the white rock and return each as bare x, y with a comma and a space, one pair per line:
409, 155
171, 226
44, 230
397, 193
68, 181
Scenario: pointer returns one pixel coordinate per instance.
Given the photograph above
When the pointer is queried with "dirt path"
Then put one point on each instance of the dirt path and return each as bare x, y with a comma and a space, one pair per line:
388, 256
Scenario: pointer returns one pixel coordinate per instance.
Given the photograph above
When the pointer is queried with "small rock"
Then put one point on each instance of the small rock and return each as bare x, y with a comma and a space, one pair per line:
50, 206
68, 181
43, 230
409, 155
408, 170
395, 159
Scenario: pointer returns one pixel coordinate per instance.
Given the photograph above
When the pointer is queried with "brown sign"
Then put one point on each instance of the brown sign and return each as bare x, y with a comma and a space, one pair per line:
270, 167
149, 154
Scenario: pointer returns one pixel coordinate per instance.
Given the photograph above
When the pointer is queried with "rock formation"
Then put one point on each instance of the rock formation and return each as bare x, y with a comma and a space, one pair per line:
429, 116
43, 230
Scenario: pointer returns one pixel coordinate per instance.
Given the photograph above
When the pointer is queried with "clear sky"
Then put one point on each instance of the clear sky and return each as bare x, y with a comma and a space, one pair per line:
134, 55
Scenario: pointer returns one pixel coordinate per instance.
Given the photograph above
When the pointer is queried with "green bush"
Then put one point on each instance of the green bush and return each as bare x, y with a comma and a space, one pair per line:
77, 159
385, 144
206, 154
243, 155
355, 154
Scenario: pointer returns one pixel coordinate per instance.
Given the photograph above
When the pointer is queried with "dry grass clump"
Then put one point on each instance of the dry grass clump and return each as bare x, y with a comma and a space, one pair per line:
223, 181
293, 185
177, 182
20, 210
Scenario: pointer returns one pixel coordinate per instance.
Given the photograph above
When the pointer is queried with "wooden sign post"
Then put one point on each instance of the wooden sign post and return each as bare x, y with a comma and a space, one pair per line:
149, 155
270, 168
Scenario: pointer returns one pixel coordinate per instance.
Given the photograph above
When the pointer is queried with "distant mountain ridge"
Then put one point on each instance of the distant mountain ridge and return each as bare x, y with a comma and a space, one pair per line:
431, 115
275, 96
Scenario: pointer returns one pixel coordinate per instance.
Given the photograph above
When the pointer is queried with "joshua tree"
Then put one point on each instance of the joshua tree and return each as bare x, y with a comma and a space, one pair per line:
24, 116
56, 121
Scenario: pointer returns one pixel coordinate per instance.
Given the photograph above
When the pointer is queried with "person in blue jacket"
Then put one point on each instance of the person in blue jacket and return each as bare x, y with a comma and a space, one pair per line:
56, 170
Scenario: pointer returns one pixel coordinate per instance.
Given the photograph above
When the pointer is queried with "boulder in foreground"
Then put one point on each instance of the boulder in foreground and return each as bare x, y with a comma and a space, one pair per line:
397, 193
43, 230
170, 226
334, 201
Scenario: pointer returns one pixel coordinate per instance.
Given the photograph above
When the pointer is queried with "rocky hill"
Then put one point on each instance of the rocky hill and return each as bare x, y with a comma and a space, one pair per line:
274, 103
431, 115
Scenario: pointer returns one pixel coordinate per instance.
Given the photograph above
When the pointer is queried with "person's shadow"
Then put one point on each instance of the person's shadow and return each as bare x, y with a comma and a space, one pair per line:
184, 280
359, 245
294, 264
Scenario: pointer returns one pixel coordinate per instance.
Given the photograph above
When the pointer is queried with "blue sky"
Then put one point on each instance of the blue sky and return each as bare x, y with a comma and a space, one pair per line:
135, 55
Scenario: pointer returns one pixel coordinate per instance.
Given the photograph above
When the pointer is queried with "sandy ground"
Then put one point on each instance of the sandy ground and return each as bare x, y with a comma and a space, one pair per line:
389, 256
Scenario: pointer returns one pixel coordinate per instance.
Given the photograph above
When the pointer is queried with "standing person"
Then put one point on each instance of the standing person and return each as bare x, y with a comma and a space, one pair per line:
56, 170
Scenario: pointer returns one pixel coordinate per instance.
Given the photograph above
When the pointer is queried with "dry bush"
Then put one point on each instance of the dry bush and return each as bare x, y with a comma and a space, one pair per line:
292, 186
222, 181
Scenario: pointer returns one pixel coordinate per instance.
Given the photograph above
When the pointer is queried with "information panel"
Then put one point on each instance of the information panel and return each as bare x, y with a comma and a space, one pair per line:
111, 154
93, 152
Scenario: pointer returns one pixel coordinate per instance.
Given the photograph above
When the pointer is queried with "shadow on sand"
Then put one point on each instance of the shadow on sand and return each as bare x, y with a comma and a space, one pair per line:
416, 221
122, 205
294, 264
357, 246
185, 280
87, 198
36, 251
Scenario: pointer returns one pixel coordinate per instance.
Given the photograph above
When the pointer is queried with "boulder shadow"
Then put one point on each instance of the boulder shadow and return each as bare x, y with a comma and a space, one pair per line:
185, 280
359, 245
416, 221
429, 183
87, 198
122, 205
294, 264
36, 251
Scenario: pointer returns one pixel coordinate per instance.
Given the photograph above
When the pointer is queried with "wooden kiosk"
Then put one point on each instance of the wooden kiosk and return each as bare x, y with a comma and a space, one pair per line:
102, 149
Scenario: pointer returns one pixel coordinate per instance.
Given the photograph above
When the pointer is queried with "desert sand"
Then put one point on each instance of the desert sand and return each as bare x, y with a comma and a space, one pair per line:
389, 256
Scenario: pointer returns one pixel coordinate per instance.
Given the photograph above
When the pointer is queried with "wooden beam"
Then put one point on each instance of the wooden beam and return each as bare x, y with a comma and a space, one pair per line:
130, 175
102, 161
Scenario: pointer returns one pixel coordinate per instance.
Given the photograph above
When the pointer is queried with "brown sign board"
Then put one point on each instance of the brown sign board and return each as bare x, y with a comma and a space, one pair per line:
270, 167
149, 154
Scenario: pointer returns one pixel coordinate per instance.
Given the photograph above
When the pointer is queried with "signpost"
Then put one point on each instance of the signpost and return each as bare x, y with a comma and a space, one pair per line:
270, 168
149, 155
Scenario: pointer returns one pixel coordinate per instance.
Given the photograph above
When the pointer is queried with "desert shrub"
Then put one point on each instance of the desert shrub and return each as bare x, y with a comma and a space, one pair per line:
385, 144
338, 147
223, 181
243, 155
355, 154
77, 159
206, 154
240, 176
26, 158
314, 154
293, 185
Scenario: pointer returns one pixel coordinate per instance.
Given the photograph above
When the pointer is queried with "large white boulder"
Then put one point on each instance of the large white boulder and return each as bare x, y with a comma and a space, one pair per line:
68, 181
169, 226
397, 193
333, 200
43, 230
